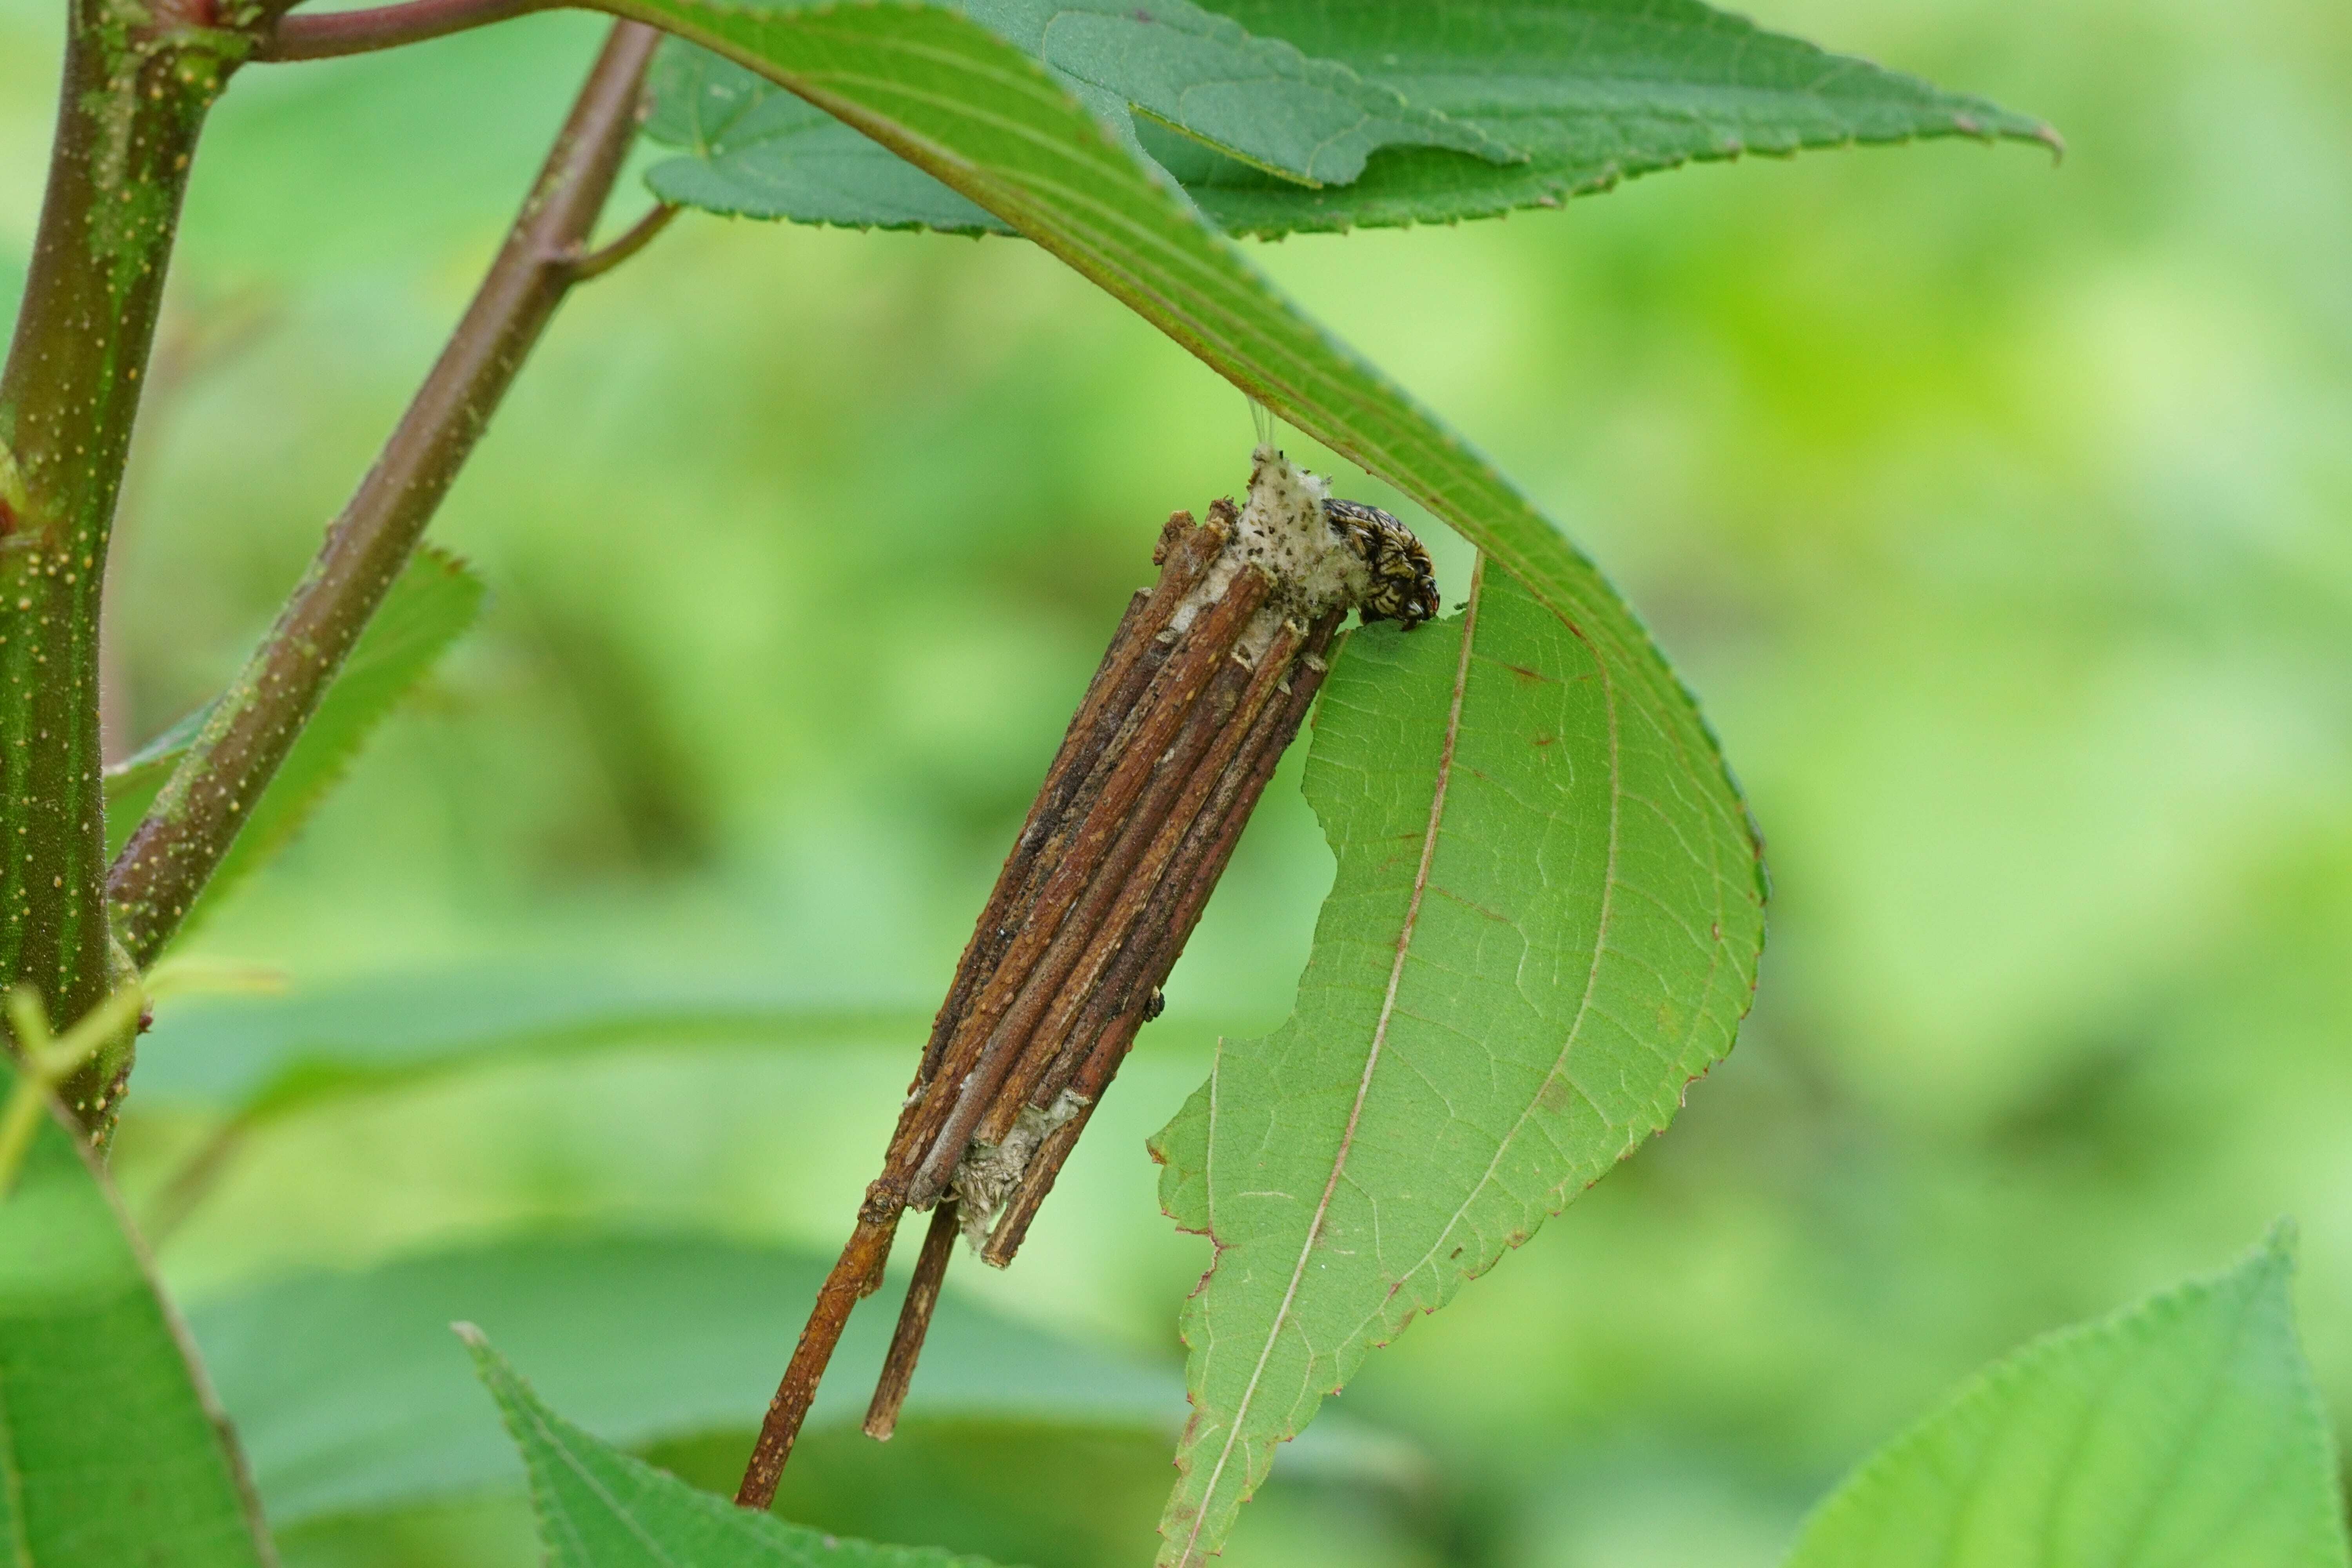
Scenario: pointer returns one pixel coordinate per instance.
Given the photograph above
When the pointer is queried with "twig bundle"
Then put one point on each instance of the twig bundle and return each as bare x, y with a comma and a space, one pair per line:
1206, 680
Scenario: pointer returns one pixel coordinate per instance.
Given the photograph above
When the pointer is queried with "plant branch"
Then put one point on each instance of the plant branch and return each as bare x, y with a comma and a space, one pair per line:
635, 237
196, 818
138, 80
340, 32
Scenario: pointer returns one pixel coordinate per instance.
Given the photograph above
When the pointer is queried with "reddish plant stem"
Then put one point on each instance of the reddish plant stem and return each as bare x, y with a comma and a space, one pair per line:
627, 244
853, 1279
329, 35
914, 1322
196, 818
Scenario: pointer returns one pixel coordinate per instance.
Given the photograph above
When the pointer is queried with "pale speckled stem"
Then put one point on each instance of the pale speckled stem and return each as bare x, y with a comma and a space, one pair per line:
196, 818
137, 83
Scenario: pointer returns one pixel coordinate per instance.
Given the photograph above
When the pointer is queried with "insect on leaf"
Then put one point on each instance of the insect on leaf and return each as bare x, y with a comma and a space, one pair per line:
982, 117
1534, 943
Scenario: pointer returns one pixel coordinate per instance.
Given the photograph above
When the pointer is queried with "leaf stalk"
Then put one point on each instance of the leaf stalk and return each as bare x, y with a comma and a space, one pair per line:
340, 33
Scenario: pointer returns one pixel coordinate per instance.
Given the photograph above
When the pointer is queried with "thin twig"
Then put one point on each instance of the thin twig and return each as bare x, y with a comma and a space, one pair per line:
914, 1323
196, 816
1104, 1032
851, 1280
333, 34
977, 1053
635, 237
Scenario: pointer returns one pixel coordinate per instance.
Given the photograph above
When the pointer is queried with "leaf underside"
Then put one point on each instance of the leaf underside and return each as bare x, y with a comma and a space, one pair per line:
1322, 117
599, 1508
1533, 945
2185, 1430
111, 1452
428, 607
985, 119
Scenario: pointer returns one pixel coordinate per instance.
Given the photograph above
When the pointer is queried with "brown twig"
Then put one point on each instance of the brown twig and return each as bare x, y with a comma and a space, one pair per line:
625, 245
1149, 682
975, 1059
333, 34
914, 1323
1133, 659
1205, 682
1100, 1039
197, 814
1130, 884
853, 1279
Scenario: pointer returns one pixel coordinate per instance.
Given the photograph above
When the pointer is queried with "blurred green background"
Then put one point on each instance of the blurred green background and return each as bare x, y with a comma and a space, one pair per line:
1997, 513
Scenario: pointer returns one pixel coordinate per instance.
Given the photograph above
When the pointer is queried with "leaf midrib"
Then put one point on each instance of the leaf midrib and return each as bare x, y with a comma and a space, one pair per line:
1593, 967
1371, 1061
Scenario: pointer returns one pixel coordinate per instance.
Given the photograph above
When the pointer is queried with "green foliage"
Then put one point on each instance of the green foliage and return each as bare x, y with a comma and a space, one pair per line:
1473, 109
2183, 1429
110, 1450
1256, 1380
264, 1056
1590, 91
756, 151
1526, 957
429, 606
351, 1399
598, 1507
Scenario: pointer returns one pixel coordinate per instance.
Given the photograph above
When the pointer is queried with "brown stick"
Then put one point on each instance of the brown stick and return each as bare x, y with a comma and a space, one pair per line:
1135, 656
1198, 862
1197, 656
1085, 927
861, 1260
914, 1323
1123, 892
1106, 1030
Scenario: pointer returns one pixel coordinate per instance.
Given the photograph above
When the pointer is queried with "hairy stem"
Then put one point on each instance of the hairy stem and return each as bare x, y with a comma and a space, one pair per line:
196, 818
137, 82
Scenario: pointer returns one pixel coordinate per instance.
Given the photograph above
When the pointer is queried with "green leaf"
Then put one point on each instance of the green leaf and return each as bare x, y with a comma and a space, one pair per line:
352, 1399
1524, 960
132, 783
1323, 117
598, 1507
1199, 78
985, 119
1594, 91
2184, 1429
110, 1451
756, 151
263, 1055
434, 600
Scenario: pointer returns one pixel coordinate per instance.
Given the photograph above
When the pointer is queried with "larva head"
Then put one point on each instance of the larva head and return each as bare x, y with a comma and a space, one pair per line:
1404, 584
